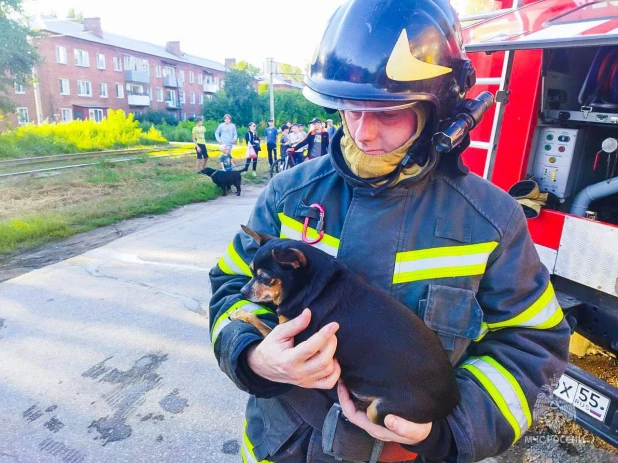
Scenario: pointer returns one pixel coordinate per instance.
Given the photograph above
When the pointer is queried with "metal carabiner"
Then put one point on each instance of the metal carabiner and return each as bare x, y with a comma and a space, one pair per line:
320, 227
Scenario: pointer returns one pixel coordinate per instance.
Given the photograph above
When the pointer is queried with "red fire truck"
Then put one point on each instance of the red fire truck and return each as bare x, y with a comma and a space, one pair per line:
553, 66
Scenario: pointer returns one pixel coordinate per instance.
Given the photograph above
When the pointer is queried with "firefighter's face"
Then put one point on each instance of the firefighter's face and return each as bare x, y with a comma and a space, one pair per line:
381, 132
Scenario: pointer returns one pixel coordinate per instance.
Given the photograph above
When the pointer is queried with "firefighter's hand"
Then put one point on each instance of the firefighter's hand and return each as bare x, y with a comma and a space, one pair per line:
397, 429
311, 364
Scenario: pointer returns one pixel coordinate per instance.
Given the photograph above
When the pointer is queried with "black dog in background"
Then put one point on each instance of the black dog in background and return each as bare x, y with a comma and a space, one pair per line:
224, 179
390, 360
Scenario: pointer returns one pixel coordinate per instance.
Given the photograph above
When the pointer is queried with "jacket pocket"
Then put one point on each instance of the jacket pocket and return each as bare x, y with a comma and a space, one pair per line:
455, 315
280, 423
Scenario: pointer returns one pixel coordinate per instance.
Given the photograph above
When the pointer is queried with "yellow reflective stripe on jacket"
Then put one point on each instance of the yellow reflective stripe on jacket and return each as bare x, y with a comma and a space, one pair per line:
232, 264
224, 319
504, 390
246, 449
444, 262
293, 230
544, 314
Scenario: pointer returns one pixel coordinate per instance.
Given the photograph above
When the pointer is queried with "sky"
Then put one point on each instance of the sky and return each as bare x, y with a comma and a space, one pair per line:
285, 30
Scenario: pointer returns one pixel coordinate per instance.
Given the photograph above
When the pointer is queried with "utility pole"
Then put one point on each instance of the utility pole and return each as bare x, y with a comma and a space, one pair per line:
272, 89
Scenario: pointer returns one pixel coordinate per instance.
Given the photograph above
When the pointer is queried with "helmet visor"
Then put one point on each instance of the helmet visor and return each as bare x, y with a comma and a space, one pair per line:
345, 104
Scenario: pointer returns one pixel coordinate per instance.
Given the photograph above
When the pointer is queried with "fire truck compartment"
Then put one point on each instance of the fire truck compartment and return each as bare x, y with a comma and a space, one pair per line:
574, 152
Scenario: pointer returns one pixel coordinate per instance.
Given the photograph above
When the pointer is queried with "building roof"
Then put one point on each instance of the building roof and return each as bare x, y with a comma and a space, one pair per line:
76, 30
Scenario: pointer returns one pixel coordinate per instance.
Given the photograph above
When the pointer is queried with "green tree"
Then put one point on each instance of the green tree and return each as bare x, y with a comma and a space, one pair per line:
249, 68
238, 98
17, 55
290, 72
291, 105
77, 17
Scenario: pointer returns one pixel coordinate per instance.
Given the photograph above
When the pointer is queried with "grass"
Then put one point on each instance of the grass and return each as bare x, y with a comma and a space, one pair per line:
37, 210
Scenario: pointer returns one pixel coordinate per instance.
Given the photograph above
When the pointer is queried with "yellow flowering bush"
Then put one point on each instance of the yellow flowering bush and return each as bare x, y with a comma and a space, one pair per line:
117, 130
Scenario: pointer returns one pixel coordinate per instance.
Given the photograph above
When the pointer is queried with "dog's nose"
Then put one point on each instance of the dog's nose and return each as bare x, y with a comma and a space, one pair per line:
246, 291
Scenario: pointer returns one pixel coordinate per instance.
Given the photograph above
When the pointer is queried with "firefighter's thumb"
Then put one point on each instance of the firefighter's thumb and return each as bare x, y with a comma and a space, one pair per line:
292, 327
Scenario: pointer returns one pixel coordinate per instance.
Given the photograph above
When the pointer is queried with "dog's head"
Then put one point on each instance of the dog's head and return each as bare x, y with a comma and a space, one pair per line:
208, 171
280, 268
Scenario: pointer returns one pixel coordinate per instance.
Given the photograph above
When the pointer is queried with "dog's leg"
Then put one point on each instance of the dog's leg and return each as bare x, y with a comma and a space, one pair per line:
238, 187
372, 411
252, 320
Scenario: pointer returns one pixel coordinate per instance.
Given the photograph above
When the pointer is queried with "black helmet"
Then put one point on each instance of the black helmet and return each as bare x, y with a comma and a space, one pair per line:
386, 54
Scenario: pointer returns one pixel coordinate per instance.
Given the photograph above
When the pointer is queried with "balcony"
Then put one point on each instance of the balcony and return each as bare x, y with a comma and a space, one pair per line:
136, 99
170, 82
137, 76
210, 88
169, 104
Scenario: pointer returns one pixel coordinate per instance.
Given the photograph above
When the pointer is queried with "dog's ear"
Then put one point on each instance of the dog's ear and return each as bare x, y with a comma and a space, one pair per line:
260, 238
290, 256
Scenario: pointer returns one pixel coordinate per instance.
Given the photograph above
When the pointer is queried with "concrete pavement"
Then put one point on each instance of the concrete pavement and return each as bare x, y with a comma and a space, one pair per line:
106, 357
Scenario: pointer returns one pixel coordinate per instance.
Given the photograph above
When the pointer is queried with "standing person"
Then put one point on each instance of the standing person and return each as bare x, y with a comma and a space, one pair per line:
294, 139
330, 128
271, 134
284, 141
226, 133
198, 134
316, 142
253, 147
225, 160
409, 220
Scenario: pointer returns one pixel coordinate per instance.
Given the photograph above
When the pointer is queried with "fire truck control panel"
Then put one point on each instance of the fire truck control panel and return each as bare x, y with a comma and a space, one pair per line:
556, 154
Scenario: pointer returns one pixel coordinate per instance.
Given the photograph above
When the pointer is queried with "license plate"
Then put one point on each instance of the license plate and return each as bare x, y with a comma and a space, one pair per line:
583, 397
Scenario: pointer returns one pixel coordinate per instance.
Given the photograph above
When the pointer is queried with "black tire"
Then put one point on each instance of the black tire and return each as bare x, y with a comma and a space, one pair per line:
277, 167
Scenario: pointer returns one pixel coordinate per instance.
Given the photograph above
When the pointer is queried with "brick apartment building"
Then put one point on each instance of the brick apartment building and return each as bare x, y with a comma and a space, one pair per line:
86, 71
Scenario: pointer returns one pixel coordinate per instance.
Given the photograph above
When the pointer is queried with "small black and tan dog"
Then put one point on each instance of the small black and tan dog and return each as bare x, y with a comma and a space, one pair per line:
224, 179
390, 360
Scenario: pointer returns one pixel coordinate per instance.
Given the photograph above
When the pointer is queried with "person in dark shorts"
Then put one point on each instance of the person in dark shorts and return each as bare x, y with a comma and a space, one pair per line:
198, 133
271, 134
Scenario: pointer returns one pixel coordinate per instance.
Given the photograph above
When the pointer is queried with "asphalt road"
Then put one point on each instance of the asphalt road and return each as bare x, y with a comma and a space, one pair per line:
106, 357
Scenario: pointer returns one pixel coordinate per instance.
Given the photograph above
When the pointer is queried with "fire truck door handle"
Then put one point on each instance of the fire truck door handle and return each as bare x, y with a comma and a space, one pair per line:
503, 96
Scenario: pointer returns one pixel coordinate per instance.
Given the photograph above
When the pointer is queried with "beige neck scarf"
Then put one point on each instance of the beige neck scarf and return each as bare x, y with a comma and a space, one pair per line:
370, 166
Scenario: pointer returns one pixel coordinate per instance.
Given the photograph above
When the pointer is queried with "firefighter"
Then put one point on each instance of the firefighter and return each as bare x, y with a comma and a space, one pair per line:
413, 222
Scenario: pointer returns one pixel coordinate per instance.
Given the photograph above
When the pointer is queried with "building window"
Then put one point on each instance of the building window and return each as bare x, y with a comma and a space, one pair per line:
119, 91
84, 88
181, 74
201, 98
64, 87
184, 116
95, 114
20, 88
82, 58
117, 64
100, 61
169, 71
61, 54
158, 70
159, 94
182, 96
193, 116
200, 79
191, 77
150, 93
208, 79
22, 116
192, 98
103, 90
67, 115
133, 63
170, 96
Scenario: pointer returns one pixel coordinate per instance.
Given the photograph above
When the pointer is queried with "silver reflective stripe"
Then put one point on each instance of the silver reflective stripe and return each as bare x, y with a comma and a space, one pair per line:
224, 319
504, 390
289, 232
441, 262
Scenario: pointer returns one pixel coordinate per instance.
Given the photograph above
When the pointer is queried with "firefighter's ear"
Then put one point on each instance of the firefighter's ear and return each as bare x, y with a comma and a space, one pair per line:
260, 238
290, 256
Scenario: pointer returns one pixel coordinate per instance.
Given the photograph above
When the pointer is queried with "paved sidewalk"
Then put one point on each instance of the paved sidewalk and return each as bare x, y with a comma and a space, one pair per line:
106, 357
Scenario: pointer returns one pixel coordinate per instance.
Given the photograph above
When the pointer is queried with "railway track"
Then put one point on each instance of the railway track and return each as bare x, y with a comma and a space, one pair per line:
24, 163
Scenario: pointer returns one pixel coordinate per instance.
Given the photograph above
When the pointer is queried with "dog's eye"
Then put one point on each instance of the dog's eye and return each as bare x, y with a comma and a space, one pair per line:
265, 280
